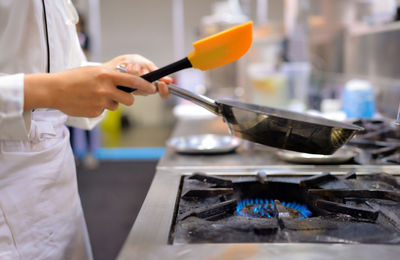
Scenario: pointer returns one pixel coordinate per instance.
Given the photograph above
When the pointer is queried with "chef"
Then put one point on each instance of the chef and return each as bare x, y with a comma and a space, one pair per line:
43, 85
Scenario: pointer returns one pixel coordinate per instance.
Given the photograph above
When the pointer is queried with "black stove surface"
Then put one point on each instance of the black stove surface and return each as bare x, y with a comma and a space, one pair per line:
323, 208
378, 144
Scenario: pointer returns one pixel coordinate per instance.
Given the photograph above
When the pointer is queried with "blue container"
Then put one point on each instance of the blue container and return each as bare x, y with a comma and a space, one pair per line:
358, 99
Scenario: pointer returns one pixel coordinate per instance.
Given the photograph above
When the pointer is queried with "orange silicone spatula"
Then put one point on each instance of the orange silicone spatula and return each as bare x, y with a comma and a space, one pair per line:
208, 53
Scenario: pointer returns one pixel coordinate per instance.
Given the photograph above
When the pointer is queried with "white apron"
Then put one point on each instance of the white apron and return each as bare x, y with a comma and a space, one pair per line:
40, 212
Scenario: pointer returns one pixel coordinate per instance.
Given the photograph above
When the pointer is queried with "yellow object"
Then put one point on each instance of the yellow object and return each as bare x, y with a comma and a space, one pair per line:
112, 121
222, 48
111, 129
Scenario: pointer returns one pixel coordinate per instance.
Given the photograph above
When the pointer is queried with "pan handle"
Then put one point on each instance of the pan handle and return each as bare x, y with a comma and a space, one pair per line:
198, 99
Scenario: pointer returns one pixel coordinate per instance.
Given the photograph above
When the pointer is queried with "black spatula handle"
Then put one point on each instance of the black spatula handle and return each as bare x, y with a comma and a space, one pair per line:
161, 72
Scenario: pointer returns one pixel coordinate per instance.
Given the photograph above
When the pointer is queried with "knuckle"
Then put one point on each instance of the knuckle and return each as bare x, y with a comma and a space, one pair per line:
101, 91
103, 73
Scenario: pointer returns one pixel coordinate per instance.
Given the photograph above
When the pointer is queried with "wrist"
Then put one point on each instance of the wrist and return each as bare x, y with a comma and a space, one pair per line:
38, 91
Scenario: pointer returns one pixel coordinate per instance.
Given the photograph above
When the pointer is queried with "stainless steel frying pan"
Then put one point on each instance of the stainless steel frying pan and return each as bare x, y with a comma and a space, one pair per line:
276, 127
273, 127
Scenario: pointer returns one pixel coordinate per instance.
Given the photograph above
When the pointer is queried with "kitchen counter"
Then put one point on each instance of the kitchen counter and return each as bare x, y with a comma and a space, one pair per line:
247, 154
149, 237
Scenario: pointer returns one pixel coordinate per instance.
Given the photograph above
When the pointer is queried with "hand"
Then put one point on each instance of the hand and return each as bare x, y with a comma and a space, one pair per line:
138, 65
84, 91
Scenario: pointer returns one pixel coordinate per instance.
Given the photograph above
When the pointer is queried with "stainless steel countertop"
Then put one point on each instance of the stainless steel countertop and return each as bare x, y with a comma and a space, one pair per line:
148, 239
247, 154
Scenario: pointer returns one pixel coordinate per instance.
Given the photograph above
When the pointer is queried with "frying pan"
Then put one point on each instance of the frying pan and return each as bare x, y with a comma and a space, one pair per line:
276, 127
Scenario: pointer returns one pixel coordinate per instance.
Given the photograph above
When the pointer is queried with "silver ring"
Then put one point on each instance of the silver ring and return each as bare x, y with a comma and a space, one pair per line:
156, 84
121, 68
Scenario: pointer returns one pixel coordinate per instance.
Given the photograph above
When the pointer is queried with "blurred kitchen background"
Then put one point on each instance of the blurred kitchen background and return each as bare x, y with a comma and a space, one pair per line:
304, 53
337, 58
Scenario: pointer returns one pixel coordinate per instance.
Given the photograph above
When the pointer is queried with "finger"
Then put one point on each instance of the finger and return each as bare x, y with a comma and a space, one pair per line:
133, 69
163, 90
167, 80
119, 96
131, 81
144, 71
140, 93
151, 66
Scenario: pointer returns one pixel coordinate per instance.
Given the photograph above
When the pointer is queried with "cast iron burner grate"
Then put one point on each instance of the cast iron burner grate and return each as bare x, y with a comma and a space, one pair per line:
323, 208
379, 143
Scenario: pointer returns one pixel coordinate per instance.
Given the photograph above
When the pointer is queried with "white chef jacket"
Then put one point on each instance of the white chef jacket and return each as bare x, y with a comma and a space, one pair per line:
40, 211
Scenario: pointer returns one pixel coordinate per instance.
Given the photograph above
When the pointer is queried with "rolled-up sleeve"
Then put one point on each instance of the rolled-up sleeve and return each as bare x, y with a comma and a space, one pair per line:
14, 123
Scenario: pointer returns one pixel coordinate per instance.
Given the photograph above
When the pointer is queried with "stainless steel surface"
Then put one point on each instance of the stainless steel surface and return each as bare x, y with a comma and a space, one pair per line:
371, 52
264, 251
285, 129
204, 144
148, 239
247, 154
200, 100
342, 155
276, 127
149, 236
398, 116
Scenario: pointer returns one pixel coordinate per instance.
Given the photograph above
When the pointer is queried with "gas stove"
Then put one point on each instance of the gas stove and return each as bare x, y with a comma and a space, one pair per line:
252, 205
279, 211
323, 208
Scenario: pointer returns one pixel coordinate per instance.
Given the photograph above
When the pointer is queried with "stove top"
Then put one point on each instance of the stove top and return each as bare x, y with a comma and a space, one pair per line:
322, 208
378, 144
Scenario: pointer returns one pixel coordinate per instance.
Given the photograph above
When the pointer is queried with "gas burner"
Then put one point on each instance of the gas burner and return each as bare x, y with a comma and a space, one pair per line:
265, 208
322, 208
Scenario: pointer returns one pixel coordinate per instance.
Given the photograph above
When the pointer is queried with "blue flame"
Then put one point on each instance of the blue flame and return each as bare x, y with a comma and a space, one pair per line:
265, 208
